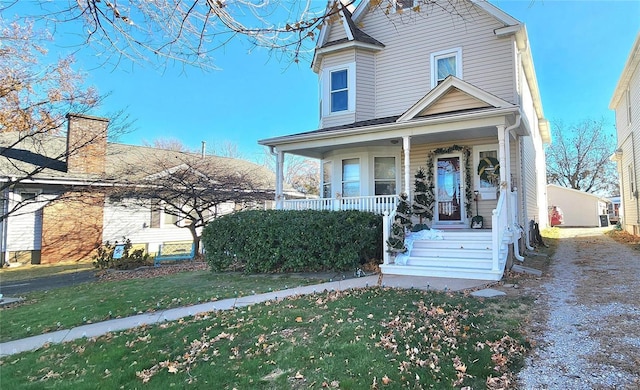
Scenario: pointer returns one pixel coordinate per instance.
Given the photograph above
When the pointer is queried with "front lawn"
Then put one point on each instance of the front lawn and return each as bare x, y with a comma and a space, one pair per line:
358, 339
67, 307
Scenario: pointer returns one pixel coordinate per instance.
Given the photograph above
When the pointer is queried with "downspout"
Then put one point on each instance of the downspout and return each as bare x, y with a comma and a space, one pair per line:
635, 178
507, 134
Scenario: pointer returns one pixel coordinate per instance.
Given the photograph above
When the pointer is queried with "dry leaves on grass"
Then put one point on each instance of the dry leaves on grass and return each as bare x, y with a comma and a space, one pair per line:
152, 272
198, 349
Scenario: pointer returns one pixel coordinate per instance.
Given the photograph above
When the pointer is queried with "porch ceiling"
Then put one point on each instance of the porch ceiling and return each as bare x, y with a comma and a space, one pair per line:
389, 140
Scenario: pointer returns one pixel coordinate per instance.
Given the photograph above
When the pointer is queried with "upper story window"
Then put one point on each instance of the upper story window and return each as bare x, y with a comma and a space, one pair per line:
338, 90
445, 63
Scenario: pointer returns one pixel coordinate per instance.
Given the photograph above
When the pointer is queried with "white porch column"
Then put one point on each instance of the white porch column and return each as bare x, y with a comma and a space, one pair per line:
406, 146
279, 180
505, 168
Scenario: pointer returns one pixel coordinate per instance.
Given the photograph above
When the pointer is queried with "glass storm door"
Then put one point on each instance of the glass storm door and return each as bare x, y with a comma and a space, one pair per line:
449, 200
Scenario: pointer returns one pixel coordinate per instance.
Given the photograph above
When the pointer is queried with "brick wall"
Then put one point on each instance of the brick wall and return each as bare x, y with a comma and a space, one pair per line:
86, 144
72, 227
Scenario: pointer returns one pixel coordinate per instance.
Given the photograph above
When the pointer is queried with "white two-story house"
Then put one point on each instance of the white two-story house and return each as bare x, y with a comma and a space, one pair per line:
626, 103
406, 85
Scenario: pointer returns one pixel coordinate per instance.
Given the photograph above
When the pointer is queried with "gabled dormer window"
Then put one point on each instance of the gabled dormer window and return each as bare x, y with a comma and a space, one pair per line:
338, 89
445, 63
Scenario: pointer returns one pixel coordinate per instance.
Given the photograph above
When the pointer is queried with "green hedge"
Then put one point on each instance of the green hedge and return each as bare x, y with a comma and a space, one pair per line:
293, 241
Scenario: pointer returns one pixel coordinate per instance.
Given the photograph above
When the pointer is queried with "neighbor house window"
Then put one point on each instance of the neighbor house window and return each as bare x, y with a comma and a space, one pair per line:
351, 177
384, 175
28, 196
327, 174
445, 63
403, 5
338, 86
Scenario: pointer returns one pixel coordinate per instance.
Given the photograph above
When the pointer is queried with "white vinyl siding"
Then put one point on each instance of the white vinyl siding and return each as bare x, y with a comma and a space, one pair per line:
365, 84
529, 184
342, 60
133, 221
24, 227
336, 32
453, 101
403, 66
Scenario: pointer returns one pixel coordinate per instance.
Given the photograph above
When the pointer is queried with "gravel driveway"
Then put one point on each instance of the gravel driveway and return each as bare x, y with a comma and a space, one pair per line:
588, 330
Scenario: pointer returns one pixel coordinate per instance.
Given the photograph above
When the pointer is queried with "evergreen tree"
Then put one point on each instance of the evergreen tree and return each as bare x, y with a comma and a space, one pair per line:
421, 204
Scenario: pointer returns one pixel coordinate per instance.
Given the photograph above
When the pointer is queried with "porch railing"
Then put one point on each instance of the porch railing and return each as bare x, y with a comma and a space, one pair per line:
376, 204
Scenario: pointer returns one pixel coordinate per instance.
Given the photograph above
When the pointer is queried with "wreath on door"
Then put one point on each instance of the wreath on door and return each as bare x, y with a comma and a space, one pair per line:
489, 169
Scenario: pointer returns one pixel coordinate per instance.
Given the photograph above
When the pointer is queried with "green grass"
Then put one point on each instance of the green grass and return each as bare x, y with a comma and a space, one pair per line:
359, 339
64, 308
30, 271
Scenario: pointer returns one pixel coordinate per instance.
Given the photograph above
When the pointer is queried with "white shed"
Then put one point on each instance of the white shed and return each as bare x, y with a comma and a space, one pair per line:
578, 207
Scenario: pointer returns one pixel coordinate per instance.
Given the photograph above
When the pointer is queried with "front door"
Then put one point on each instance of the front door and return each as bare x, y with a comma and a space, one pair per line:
449, 186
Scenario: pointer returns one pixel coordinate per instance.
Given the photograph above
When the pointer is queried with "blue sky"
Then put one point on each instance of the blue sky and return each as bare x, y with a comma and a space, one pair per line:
579, 49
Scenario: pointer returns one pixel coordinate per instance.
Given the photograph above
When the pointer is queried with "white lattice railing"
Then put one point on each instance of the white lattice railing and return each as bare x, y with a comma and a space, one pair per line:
376, 204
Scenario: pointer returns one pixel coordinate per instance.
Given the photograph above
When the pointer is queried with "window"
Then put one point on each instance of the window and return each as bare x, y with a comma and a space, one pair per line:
632, 181
628, 98
403, 5
445, 63
28, 196
338, 90
351, 177
486, 170
326, 179
384, 175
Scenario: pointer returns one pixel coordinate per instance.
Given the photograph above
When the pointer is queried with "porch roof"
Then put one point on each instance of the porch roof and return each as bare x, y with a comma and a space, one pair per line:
450, 126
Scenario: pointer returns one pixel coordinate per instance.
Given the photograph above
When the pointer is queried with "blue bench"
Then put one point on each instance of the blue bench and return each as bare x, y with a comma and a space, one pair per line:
174, 252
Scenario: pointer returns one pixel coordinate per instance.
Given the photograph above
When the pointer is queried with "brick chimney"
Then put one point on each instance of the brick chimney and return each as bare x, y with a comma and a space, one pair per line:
86, 144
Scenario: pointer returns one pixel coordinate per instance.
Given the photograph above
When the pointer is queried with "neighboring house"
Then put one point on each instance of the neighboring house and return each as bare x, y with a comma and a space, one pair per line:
441, 89
68, 213
614, 209
579, 208
626, 103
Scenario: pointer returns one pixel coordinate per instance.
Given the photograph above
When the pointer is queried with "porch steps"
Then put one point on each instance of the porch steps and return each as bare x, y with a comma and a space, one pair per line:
464, 254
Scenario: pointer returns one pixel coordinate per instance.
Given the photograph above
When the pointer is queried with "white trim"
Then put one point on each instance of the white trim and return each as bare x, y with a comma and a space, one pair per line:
351, 89
435, 56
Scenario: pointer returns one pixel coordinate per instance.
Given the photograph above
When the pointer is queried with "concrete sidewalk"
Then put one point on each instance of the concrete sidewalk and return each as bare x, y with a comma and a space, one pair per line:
102, 328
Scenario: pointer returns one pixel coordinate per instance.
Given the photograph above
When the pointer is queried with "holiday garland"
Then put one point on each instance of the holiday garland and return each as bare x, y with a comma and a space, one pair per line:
466, 157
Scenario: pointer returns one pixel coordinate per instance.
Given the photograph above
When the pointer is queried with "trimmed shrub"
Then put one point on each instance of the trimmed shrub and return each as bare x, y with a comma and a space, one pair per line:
262, 241
130, 259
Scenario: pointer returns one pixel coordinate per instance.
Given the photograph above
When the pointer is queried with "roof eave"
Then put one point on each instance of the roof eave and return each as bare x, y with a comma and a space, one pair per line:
630, 66
424, 121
